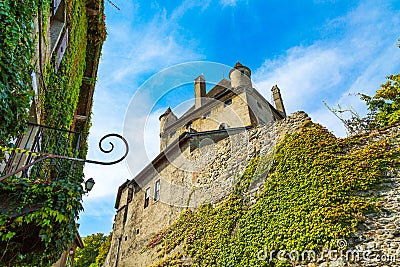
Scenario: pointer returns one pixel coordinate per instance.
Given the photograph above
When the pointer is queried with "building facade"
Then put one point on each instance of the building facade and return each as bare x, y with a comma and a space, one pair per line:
202, 153
51, 49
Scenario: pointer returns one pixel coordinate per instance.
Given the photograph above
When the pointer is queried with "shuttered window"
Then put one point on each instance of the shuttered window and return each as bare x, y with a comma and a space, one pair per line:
147, 198
61, 49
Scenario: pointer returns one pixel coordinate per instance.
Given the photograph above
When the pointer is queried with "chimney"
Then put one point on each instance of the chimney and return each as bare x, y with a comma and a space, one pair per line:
276, 93
199, 91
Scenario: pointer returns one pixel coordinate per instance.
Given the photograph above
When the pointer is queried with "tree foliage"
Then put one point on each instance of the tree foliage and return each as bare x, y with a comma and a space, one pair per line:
385, 105
383, 108
103, 251
87, 255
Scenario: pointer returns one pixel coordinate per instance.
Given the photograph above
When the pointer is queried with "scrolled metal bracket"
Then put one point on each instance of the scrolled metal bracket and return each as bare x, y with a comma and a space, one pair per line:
110, 150
41, 157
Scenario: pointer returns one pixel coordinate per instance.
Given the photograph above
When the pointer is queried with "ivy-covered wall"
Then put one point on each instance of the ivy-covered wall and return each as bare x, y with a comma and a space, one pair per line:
16, 51
37, 219
60, 96
317, 192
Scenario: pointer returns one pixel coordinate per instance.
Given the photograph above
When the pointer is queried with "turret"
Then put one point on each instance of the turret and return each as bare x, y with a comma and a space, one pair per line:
276, 93
166, 119
199, 91
240, 76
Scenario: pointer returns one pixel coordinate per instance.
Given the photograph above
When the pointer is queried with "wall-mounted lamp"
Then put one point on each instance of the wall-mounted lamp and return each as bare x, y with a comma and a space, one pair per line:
89, 184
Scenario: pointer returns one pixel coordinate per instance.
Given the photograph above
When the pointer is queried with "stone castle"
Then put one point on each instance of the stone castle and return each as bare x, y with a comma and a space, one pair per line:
201, 155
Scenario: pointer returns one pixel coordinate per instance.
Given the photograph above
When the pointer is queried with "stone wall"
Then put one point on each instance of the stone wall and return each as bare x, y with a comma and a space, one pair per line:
377, 239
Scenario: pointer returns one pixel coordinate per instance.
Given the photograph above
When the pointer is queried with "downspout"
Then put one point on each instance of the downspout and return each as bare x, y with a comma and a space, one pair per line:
119, 246
40, 25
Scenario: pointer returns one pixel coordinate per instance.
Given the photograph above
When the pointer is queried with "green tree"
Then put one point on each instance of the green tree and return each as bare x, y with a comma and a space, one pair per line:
383, 108
385, 105
103, 251
87, 255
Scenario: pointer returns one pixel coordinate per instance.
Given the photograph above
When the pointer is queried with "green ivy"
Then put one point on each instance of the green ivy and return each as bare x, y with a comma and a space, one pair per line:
16, 50
309, 201
42, 213
61, 94
51, 225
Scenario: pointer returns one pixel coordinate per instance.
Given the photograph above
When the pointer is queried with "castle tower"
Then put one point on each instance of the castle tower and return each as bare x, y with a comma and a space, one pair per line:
166, 119
199, 91
276, 93
240, 76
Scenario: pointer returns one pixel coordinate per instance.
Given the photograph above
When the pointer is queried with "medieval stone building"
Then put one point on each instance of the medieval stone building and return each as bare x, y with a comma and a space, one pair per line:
201, 155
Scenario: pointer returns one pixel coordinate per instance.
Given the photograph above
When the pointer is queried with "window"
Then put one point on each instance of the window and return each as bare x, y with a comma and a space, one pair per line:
228, 102
57, 24
147, 198
157, 190
34, 83
259, 105
207, 115
61, 49
58, 32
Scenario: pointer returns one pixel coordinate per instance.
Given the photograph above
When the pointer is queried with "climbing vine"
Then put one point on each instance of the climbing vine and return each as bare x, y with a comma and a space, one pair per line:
16, 50
40, 219
61, 94
317, 191
37, 219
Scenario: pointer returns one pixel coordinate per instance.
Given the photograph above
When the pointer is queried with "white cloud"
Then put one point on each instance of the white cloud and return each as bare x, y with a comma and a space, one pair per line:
332, 68
228, 2
302, 75
181, 10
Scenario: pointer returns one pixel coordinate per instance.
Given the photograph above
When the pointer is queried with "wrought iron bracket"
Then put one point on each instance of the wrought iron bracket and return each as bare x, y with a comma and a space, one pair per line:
41, 157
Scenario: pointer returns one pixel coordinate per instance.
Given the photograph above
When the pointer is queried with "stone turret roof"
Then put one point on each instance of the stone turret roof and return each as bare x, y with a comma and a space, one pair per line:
238, 64
165, 113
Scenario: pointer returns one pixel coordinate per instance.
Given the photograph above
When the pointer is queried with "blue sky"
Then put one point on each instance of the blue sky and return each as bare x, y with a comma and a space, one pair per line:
313, 50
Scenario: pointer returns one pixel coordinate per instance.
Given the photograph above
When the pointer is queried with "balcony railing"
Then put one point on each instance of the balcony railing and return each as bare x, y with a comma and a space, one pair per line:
41, 139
